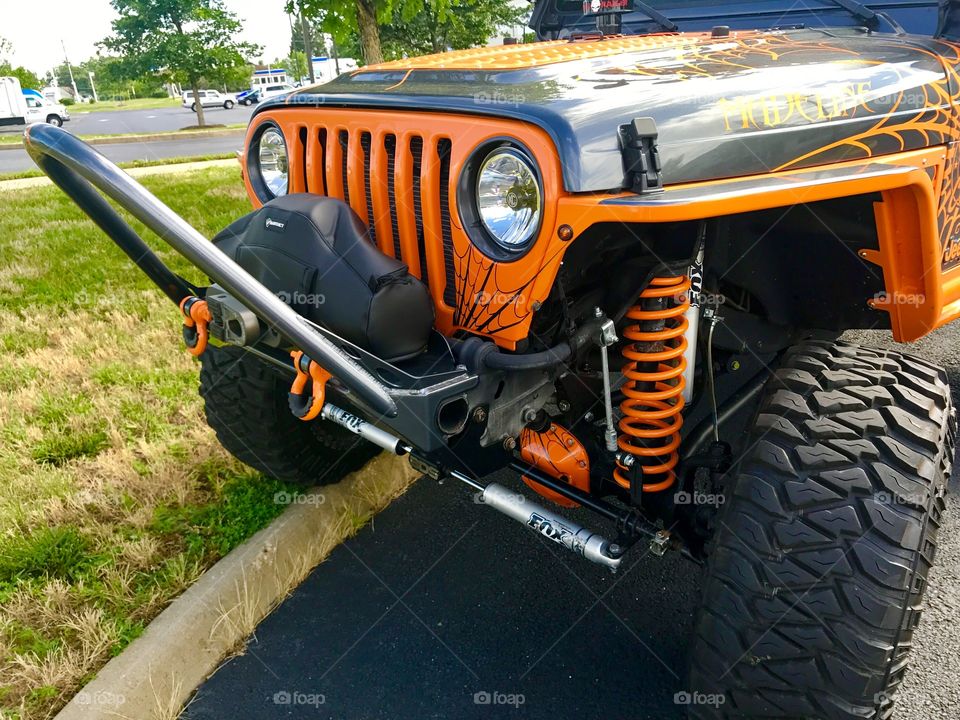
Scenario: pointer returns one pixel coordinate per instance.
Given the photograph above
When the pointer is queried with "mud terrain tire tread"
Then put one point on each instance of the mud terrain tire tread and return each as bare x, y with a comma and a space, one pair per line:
245, 400
819, 563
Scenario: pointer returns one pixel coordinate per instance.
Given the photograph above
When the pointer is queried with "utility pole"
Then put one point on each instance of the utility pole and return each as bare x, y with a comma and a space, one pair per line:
336, 55
73, 83
293, 50
93, 87
307, 45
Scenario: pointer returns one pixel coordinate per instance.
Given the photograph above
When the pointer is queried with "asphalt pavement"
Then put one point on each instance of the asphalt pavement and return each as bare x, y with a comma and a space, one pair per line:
445, 609
116, 122
18, 160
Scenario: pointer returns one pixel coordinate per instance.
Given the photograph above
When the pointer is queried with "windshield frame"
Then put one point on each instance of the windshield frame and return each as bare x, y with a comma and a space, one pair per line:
557, 19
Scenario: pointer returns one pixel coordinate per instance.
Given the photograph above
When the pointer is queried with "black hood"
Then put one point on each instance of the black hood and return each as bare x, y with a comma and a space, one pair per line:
724, 106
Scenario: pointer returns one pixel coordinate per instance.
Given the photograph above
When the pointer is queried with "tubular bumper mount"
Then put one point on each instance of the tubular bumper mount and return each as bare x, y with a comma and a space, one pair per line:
80, 171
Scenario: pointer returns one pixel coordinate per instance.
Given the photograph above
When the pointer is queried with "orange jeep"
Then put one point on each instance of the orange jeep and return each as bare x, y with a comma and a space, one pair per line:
618, 261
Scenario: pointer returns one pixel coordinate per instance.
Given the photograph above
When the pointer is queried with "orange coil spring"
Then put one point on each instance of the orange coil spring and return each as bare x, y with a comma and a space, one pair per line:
651, 422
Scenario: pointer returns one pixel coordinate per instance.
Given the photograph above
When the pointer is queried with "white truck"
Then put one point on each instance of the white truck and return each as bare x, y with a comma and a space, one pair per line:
15, 109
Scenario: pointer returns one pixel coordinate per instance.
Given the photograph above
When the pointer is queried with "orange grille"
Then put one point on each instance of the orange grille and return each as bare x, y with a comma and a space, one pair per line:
399, 172
384, 177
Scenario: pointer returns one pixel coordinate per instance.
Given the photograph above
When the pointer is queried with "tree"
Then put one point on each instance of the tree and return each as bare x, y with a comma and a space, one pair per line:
419, 27
296, 65
343, 18
462, 24
380, 29
297, 41
183, 40
27, 78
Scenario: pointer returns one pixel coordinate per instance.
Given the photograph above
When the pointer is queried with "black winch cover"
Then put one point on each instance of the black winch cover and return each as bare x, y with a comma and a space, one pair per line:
316, 254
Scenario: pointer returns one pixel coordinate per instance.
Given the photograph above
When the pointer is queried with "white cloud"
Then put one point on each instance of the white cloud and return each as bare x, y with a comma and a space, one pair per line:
36, 29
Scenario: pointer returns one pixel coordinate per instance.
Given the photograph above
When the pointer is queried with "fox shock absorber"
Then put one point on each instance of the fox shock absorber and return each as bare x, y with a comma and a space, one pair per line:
693, 316
550, 525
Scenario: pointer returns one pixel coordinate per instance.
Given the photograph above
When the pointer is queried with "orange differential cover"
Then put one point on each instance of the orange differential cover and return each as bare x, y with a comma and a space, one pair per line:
556, 452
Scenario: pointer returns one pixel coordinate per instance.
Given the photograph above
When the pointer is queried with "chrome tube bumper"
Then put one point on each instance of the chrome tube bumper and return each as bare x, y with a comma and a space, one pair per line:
77, 169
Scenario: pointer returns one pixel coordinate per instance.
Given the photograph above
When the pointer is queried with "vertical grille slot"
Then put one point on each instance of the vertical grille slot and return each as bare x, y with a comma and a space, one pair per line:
416, 149
444, 147
399, 184
344, 146
304, 174
390, 145
365, 145
322, 144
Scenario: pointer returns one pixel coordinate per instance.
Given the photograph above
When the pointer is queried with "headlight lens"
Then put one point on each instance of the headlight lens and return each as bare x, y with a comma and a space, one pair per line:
508, 198
272, 160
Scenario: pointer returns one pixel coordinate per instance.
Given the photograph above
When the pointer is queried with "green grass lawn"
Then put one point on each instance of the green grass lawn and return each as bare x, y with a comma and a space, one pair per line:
134, 104
16, 138
36, 172
114, 494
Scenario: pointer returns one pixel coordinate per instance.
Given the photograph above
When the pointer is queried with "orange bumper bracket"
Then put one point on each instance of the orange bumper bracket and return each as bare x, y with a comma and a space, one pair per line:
304, 405
196, 318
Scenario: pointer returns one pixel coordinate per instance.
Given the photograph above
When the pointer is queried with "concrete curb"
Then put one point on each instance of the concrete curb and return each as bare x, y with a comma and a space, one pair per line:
155, 137
169, 168
158, 672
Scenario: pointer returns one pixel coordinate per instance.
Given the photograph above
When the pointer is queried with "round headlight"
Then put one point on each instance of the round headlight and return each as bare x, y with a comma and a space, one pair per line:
508, 198
272, 161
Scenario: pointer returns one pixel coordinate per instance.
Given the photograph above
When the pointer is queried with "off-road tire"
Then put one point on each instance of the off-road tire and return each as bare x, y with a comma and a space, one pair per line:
245, 400
820, 558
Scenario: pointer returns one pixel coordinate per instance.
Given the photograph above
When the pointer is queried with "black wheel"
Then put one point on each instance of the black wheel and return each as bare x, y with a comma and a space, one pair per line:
228, 105
55, 120
244, 102
823, 545
194, 107
245, 400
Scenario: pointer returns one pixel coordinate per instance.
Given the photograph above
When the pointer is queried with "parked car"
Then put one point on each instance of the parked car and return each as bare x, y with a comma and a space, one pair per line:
248, 97
19, 109
270, 91
208, 98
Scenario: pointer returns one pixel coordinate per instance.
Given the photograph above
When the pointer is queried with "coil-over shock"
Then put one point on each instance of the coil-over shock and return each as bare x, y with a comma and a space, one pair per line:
654, 370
